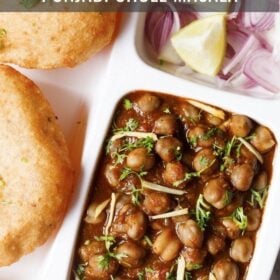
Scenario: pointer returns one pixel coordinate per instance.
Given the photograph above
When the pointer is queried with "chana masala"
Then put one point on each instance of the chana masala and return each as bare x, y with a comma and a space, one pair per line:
179, 193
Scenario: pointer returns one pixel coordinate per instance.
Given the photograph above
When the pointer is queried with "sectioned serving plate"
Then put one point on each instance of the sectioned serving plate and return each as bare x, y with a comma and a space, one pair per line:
128, 72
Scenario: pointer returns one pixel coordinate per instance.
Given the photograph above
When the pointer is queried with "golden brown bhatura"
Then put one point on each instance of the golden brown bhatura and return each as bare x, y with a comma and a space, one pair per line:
36, 176
54, 40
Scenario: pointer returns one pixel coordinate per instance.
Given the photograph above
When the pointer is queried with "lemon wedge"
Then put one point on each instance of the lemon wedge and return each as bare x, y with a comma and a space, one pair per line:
202, 44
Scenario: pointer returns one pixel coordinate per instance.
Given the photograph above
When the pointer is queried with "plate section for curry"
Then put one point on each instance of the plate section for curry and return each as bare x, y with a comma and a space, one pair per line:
128, 72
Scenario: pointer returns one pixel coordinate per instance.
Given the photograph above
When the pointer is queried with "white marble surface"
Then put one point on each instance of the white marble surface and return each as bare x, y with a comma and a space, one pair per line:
276, 272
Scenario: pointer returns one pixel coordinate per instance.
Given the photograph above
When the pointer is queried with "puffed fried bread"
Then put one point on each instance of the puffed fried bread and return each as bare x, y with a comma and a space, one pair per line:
53, 40
36, 177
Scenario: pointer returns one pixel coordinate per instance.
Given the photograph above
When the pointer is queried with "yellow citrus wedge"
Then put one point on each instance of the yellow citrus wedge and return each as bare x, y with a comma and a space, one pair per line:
202, 44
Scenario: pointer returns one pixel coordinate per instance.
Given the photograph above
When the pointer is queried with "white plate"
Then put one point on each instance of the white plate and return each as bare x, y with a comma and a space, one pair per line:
70, 92
127, 72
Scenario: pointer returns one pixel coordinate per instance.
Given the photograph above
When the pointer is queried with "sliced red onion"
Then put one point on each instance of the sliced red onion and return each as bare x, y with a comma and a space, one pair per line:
257, 21
158, 27
263, 69
251, 44
264, 41
236, 39
230, 52
187, 17
239, 80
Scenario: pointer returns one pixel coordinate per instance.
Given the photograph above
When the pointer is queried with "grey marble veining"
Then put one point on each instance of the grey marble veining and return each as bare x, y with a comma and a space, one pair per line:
276, 272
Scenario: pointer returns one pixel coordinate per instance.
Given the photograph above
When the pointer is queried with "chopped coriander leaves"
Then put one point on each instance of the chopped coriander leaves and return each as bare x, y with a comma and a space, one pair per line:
170, 275
118, 158
258, 197
104, 260
129, 145
178, 153
136, 196
131, 125
108, 239
193, 266
188, 275
225, 152
80, 271
127, 104
228, 197
211, 132
141, 275
204, 161
240, 219
202, 212
128, 171
147, 142
193, 141
188, 176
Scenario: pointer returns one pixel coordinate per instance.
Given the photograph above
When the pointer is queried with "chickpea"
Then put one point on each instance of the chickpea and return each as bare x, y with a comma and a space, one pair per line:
196, 136
225, 269
232, 229
190, 112
165, 125
240, 126
174, 172
190, 234
168, 148
242, 249
215, 244
136, 225
115, 147
254, 219
180, 219
140, 160
112, 174
263, 139
261, 181
248, 157
167, 245
156, 202
132, 254
193, 257
131, 180
130, 221
205, 162
161, 224
148, 103
93, 248
242, 176
94, 271
90, 254
215, 192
